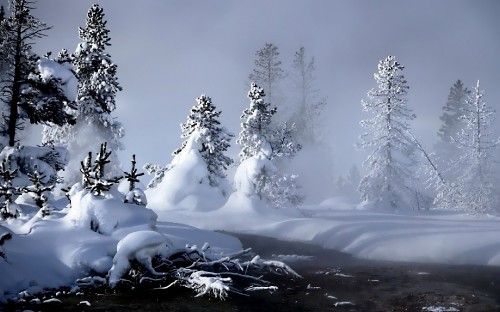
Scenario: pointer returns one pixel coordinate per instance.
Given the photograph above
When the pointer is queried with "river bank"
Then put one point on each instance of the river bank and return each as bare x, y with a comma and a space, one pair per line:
332, 281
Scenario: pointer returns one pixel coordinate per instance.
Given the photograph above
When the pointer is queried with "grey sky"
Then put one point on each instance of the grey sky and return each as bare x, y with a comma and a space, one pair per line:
170, 52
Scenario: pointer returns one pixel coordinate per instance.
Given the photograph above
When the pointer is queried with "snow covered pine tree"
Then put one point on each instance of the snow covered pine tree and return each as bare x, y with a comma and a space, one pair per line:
214, 139
96, 92
386, 184
451, 121
474, 190
260, 141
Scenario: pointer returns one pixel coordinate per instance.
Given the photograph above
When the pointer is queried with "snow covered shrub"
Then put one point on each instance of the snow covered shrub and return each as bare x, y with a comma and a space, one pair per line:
19, 165
8, 209
37, 190
281, 190
134, 195
93, 178
158, 173
107, 214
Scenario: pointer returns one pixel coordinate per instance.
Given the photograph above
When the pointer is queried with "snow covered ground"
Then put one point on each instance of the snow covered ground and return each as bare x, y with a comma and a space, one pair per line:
56, 250
101, 235
434, 236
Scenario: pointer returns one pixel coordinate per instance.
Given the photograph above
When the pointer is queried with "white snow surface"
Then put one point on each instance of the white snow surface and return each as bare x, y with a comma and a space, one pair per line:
427, 237
56, 250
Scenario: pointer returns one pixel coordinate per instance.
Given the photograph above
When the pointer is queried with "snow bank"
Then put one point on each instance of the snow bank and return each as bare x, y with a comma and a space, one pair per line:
248, 171
56, 250
427, 237
107, 214
142, 246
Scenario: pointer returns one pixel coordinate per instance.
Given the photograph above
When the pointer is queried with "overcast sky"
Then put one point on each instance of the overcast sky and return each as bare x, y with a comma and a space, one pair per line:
170, 52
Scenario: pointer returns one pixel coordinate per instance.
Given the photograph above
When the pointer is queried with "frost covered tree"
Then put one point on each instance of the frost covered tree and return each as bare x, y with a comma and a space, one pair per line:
8, 208
95, 99
96, 179
475, 189
134, 194
27, 94
214, 139
451, 121
260, 140
38, 189
268, 71
310, 107
386, 185
256, 129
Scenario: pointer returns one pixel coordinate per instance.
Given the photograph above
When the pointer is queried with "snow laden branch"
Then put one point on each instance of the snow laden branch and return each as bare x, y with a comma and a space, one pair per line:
146, 259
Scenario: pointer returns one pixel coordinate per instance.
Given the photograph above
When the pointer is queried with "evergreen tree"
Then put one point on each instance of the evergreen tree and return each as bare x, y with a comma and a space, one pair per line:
392, 149
268, 71
475, 192
96, 92
135, 195
24, 91
38, 190
8, 209
214, 140
451, 123
452, 111
309, 107
259, 139
256, 129
96, 180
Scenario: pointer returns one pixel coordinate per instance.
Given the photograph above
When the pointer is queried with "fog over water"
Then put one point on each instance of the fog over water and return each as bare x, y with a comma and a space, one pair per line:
170, 52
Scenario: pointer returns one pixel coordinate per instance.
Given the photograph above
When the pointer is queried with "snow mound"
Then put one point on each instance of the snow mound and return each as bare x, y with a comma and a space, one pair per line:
248, 171
106, 214
141, 246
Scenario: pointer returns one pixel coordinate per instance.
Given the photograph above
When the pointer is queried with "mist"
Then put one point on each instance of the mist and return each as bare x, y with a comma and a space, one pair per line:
168, 53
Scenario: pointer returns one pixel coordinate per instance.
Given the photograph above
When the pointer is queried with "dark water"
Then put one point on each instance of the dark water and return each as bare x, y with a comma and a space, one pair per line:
332, 281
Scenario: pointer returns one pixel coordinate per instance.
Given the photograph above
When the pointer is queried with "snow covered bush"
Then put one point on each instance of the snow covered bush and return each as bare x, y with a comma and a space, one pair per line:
8, 209
93, 177
107, 213
134, 194
38, 190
